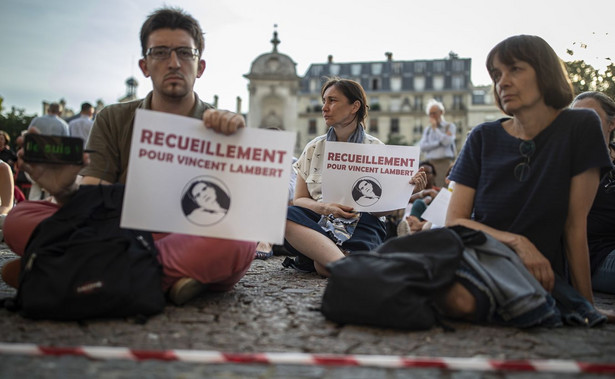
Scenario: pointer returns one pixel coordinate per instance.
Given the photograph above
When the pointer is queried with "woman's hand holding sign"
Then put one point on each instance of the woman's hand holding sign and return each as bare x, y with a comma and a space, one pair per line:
338, 210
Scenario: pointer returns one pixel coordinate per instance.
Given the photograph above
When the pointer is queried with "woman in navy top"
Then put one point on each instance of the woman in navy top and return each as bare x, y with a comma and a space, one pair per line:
529, 179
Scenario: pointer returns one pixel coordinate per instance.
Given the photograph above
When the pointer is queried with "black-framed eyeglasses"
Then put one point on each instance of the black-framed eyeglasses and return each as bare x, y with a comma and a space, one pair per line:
163, 52
522, 170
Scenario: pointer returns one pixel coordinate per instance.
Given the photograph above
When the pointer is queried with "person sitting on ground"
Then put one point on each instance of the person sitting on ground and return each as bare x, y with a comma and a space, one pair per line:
601, 219
414, 222
7, 198
400, 222
310, 220
172, 47
6, 154
431, 190
529, 180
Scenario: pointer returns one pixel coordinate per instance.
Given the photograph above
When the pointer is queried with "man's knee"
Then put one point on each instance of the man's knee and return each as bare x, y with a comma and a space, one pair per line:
21, 221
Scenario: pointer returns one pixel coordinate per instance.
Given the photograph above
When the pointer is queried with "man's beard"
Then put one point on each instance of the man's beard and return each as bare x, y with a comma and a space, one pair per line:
175, 91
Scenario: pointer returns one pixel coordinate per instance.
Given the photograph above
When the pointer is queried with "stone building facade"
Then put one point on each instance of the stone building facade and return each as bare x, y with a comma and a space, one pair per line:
397, 92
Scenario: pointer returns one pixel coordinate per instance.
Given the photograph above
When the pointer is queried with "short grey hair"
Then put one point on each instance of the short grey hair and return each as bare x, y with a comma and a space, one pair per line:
431, 103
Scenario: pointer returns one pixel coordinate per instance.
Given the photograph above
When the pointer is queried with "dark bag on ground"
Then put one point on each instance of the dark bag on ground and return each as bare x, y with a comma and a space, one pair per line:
80, 264
396, 284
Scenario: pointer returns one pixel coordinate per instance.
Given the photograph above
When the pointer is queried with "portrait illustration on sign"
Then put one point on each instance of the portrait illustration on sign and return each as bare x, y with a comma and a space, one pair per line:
205, 201
366, 191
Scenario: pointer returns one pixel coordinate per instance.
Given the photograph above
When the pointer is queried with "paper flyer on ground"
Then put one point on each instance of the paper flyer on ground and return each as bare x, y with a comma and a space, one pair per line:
370, 178
184, 178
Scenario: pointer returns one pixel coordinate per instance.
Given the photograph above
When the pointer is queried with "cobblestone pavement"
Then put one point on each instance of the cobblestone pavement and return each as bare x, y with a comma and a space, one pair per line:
274, 309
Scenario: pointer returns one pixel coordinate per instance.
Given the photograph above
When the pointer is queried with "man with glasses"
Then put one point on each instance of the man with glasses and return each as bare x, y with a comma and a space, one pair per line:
172, 47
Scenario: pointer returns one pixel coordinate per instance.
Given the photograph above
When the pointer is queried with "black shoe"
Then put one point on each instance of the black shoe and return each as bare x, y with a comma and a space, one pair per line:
300, 263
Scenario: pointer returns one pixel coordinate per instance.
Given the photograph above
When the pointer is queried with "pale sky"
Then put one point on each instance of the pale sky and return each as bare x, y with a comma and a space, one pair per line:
84, 50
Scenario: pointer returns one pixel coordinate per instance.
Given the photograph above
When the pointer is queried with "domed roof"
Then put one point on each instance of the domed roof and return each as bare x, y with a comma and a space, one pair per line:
273, 65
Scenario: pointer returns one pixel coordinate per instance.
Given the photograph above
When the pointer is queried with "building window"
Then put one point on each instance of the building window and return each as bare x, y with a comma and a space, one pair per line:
458, 66
376, 68
374, 103
316, 70
458, 82
374, 84
419, 67
457, 102
438, 66
478, 97
419, 83
395, 126
355, 69
312, 127
396, 83
406, 107
314, 85
395, 104
438, 82
418, 103
397, 68
315, 105
373, 125
334, 69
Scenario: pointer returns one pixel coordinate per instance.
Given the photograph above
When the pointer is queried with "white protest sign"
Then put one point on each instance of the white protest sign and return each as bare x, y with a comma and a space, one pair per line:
370, 178
184, 178
436, 211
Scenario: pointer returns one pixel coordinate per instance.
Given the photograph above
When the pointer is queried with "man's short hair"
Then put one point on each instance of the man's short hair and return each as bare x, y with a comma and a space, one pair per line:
85, 107
428, 163
172, 18
54, 108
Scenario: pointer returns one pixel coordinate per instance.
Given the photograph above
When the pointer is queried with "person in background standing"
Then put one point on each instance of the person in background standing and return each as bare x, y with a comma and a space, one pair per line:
80, 127
53, 125
438, 140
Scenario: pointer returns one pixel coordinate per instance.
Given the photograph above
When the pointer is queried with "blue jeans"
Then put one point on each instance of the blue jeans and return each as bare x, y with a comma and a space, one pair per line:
603, 279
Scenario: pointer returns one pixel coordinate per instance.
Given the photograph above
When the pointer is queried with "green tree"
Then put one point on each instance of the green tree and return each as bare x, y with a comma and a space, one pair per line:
607, 85
582, 75
14, 122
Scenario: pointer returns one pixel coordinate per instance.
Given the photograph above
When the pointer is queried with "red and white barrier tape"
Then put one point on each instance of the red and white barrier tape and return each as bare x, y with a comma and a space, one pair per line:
384, 361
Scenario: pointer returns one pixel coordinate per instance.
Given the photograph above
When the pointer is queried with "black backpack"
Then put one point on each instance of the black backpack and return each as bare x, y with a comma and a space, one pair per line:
80, 264
396, 284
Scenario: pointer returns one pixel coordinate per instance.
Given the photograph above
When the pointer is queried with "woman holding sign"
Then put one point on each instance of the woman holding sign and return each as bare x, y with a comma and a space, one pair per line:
319, 232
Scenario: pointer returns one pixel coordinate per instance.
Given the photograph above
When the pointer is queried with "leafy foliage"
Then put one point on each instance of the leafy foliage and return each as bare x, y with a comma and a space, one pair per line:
584, 77
14, 121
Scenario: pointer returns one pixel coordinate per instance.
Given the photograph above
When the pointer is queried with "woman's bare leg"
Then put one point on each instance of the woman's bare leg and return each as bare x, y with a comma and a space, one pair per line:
313, 245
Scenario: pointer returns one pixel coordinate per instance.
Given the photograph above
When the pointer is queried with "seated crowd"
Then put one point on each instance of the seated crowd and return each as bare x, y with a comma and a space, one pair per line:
559, 222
